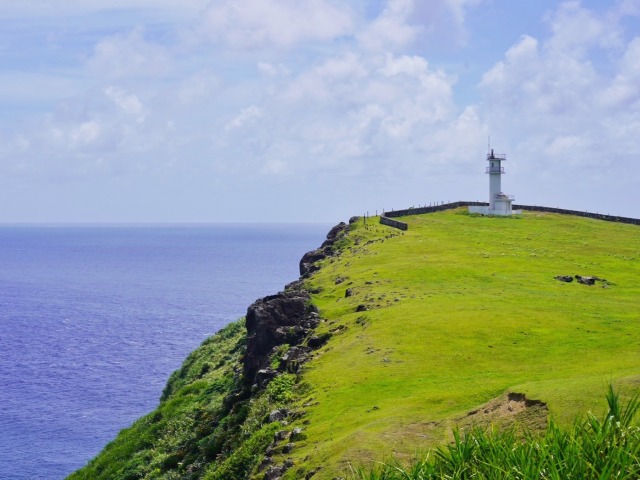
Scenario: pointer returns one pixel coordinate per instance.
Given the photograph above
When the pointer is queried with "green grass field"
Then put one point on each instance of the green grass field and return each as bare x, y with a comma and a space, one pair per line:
462, 309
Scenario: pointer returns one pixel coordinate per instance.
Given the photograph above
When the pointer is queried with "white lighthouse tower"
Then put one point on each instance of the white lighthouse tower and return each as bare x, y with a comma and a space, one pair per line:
499, 203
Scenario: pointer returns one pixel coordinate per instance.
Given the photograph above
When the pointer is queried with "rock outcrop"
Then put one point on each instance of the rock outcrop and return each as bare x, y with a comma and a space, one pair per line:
285, 318
309, 259
280, 339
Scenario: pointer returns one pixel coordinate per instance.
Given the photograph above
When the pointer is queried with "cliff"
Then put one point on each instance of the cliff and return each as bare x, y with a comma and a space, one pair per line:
390, 340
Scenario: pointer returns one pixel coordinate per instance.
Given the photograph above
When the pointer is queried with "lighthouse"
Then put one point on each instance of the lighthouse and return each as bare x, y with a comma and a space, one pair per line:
499, 202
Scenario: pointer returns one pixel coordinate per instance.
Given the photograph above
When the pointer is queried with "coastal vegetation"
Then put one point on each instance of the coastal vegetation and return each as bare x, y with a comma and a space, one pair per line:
453, 330
594, 448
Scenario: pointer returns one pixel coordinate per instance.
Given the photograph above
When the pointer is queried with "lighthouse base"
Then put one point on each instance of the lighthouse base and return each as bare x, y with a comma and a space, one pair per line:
488, 211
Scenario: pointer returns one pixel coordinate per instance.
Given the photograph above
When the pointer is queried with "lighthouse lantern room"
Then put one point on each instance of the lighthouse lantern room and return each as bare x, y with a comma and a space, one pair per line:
499, 203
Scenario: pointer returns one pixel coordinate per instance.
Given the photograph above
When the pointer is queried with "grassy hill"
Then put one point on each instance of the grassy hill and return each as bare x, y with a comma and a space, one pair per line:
461, 310
442, 323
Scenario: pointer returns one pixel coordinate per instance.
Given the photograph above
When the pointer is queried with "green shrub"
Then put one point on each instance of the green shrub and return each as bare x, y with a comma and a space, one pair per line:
246, 457
280, 390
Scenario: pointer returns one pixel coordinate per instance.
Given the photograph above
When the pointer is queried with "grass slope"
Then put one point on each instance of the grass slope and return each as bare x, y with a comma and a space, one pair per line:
190, 427
462, 309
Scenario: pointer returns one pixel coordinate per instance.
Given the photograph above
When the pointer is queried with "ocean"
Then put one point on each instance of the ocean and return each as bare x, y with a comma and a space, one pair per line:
93, 320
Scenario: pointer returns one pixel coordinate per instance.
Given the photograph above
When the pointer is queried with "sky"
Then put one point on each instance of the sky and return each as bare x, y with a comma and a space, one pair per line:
313, 110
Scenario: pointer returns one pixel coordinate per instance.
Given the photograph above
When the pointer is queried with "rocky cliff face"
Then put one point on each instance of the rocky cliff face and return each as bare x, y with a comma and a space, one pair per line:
327, 249
284, 318
287, 318
218, 418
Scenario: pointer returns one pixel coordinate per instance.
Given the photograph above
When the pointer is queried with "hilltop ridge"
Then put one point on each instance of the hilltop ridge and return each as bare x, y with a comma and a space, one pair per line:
390, 339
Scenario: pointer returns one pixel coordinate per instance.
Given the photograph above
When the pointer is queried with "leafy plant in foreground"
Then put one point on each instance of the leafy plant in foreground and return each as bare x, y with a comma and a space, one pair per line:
595, 448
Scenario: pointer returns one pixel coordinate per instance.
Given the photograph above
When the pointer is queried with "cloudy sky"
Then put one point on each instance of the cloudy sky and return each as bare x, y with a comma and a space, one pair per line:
313, 110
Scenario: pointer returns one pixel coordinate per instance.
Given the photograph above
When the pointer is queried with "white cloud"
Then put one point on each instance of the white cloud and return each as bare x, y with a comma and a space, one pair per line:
404, 23
629, 7
274, 23
577, 29
272, 70
130, 55
623, 91
129, 103
290, 92
245, 117
568, 106
195, 89
391, 29
356, 114
75, 7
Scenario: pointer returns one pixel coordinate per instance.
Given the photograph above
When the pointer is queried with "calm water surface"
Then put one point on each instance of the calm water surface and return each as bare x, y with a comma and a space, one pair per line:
94, 319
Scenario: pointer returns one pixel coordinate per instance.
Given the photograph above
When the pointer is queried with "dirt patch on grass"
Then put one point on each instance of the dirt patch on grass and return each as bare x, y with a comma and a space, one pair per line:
512, 409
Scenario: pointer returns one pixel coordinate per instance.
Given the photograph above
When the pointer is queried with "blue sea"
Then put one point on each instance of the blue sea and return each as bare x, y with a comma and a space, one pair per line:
93, 320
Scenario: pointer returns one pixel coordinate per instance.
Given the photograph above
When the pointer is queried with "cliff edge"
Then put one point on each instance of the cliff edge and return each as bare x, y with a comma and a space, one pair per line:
391, 340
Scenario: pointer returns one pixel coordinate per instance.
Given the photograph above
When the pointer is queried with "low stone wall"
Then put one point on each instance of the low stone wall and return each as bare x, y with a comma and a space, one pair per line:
597, 216
393, 223
533, 208
435, 208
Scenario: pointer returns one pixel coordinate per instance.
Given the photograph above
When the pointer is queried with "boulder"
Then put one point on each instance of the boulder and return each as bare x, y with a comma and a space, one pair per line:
586, 280
564, 278
264, 376
317, 341
308, 260
275, 472
278, 415
294, 358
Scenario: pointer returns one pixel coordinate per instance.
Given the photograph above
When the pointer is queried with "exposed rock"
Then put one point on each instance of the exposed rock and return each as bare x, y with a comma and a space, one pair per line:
348, 292
335, 233
310, 474
266, 461
307, 266
317, 341
564, 278
279, 415
307, 263
361, 308
294, 358
353, 220
275, 472
586, 280
287, 318
264, 376
284, 318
